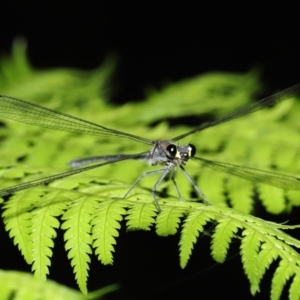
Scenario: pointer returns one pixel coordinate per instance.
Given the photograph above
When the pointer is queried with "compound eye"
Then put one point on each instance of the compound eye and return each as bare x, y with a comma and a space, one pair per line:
171, 151
192, 150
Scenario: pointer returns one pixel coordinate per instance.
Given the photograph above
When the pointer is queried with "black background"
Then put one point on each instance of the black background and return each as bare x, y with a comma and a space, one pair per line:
154, 44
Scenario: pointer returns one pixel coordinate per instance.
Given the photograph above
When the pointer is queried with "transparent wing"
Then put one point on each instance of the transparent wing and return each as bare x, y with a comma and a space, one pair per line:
33, 114
271, 100
91, 160
260, 176
47, 180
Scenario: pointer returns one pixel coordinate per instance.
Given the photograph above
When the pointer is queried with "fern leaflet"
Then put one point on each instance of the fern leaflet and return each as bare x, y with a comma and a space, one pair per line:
78, 238
18, 220
44, 223
20, 285
141, 216
167, 222
105, 228
225, 230
193, 224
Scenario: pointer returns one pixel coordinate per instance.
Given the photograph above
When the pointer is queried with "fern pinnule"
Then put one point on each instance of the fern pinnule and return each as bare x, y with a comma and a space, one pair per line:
294, 289
193, 225
240, 194
282, 274
221, 239
266, 256
106, 224
77, 223
17, 217
249, 251
214, 189
21, 285
44, 225
141, 216
167, 222
273, 198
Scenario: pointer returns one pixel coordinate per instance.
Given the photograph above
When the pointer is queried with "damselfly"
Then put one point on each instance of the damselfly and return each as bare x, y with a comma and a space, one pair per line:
163, 152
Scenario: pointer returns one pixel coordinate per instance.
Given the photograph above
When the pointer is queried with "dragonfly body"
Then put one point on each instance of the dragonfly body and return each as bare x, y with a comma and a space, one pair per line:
168, 153
164, 153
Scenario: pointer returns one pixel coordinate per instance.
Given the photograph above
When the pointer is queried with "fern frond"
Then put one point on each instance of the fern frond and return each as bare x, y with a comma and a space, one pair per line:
92, 218
105, 228
262, 243
20, 285
87, 218
77, 223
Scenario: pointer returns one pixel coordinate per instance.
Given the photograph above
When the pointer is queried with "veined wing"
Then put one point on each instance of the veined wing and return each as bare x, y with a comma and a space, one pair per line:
256, 175
265, 102
46, 180
33, 114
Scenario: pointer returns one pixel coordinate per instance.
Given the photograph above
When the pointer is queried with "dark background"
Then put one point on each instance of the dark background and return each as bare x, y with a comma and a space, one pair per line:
154, 44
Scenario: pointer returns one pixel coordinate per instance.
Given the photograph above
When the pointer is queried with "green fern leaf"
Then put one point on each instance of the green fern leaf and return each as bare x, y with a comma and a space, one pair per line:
20, 285
249, 251
276, 230
260, 256
266, 256
18, 220
224, 232
44, 223
282, 274
87, 205
167, 222
105, 228
293, 199
240, 194
192, 226
272, 198
77, 223
141, 216
294, 289
262, 243
214, 189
